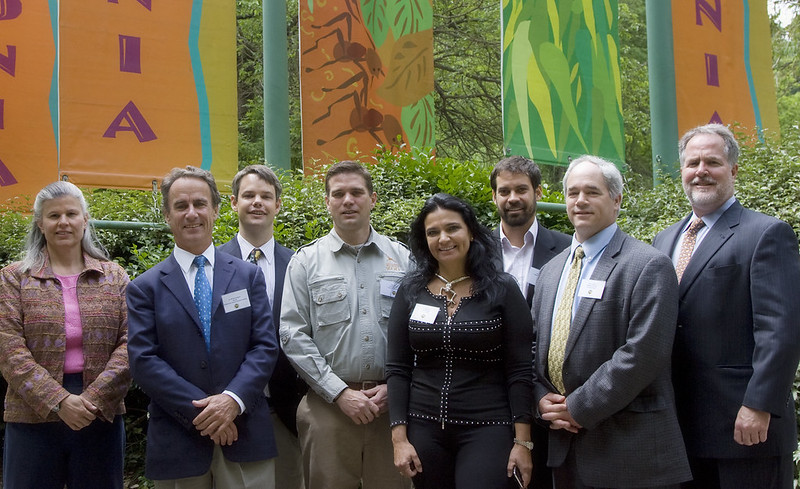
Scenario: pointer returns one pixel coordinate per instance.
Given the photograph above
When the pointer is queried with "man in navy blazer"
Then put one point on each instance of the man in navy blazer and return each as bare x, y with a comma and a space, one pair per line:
256, 198
526, 245
209, 423
738, 339
605, 313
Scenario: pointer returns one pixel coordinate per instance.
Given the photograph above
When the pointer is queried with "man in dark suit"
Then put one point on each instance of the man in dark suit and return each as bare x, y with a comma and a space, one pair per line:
605, 312
527, 245
738, 342
202, 346
256, 198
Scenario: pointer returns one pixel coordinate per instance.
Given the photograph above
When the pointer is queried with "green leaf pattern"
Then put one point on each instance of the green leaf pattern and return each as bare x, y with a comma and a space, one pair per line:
561, 80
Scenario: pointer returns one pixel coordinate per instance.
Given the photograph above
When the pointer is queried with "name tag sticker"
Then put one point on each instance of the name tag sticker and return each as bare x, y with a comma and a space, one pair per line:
533, 276
424, 314
389, 287
591, 289
236, 300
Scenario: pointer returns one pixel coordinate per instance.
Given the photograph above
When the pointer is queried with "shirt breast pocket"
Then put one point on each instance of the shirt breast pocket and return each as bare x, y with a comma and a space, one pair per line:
331, 301
388, 282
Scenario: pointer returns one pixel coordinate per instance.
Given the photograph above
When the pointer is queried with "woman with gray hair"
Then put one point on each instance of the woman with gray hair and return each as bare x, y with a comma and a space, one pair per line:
63, 352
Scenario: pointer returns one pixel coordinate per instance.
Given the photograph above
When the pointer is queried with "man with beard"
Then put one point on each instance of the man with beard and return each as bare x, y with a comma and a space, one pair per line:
737, 344
526, 245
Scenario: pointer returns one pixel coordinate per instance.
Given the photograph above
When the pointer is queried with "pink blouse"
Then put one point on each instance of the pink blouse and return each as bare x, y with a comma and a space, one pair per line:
73, 357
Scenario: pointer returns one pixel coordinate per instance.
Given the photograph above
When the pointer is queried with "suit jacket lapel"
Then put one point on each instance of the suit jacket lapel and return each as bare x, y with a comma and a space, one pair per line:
282, 256
670, 237
603, 269
545, 314
173, 279
717, 236
223, 272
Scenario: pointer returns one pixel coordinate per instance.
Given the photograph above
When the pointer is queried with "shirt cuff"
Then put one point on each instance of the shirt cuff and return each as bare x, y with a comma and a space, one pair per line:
237, 399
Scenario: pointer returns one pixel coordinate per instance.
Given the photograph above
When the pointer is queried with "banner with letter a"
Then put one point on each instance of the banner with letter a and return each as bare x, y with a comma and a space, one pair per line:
723, 64
366, 77
561, 80
115, 93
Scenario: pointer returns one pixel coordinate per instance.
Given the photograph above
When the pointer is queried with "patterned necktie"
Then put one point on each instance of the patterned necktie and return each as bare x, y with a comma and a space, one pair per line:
202, 298
558, 341
687, 246
254, 256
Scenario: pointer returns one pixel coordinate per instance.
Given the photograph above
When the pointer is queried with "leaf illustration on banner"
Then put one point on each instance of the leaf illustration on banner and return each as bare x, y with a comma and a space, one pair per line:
374, 12
557, 70
418, 122
408, 16
521, 55
409, 74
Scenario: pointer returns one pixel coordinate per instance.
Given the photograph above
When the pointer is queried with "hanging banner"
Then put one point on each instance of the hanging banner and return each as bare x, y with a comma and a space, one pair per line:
28, 98
723, 64
366, 77
561, 80
141, 87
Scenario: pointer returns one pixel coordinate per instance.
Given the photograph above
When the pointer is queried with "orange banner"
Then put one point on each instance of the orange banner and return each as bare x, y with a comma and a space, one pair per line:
141, 87
366, 77
28, 109
723, 64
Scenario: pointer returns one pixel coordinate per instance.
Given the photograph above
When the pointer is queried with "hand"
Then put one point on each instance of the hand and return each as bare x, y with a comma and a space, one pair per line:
76, 412
405, 455
520, 457
357, 406
380, 396
553, 408
216, 418
751, 426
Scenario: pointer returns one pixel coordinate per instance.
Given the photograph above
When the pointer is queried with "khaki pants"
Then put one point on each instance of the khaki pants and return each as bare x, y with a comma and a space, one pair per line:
227, 475
338, 454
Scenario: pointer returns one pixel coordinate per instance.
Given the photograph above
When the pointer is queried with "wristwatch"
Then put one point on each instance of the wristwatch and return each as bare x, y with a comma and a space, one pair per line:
524, 443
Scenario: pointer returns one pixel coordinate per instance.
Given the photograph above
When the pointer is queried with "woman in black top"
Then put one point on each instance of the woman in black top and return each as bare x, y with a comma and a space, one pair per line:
459, 358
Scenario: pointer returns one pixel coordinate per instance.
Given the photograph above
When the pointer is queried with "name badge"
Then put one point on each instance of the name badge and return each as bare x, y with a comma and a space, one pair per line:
533, 276
424, 314
591, 289
236, 300
389, 287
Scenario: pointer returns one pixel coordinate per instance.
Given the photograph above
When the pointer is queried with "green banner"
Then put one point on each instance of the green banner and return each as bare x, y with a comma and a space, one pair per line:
561, 80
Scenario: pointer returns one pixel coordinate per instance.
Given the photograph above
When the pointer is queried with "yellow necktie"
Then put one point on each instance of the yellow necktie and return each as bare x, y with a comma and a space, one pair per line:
558, 341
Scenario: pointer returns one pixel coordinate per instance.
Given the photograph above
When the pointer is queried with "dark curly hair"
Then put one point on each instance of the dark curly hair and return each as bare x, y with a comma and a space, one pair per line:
482, 258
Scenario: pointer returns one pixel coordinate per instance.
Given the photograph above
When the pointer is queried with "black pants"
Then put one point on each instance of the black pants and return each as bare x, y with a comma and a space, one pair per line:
741, 473
461, 457
50, 455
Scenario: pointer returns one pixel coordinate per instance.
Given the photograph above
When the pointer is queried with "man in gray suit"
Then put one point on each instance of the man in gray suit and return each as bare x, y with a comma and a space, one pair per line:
605, 316
526, 245
738, 341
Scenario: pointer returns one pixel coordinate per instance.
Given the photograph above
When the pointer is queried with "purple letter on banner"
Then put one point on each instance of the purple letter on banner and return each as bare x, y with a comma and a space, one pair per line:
712, 70
130, 54
136, 124
6, 178
145, 3
713, 14
716, 119
8, 62
10, 9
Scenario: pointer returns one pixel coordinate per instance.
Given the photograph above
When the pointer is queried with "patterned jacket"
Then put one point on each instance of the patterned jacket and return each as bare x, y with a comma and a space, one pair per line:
33, 339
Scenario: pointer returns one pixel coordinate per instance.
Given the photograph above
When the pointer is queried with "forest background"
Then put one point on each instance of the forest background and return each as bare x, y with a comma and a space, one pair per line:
469, 141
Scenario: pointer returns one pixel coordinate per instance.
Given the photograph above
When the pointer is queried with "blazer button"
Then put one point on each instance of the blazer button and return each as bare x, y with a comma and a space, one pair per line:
203, 364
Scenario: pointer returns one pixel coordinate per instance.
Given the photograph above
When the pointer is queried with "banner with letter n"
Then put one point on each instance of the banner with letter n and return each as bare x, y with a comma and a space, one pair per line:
561, 80
115, 93
366, 77
723, 64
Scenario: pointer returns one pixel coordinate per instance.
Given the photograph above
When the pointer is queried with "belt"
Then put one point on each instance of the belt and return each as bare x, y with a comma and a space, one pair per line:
364, 385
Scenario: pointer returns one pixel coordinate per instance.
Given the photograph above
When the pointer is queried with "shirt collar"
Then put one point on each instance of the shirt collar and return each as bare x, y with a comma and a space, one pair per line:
596, 244
711, 218
185, 259
267, 249
530, 234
